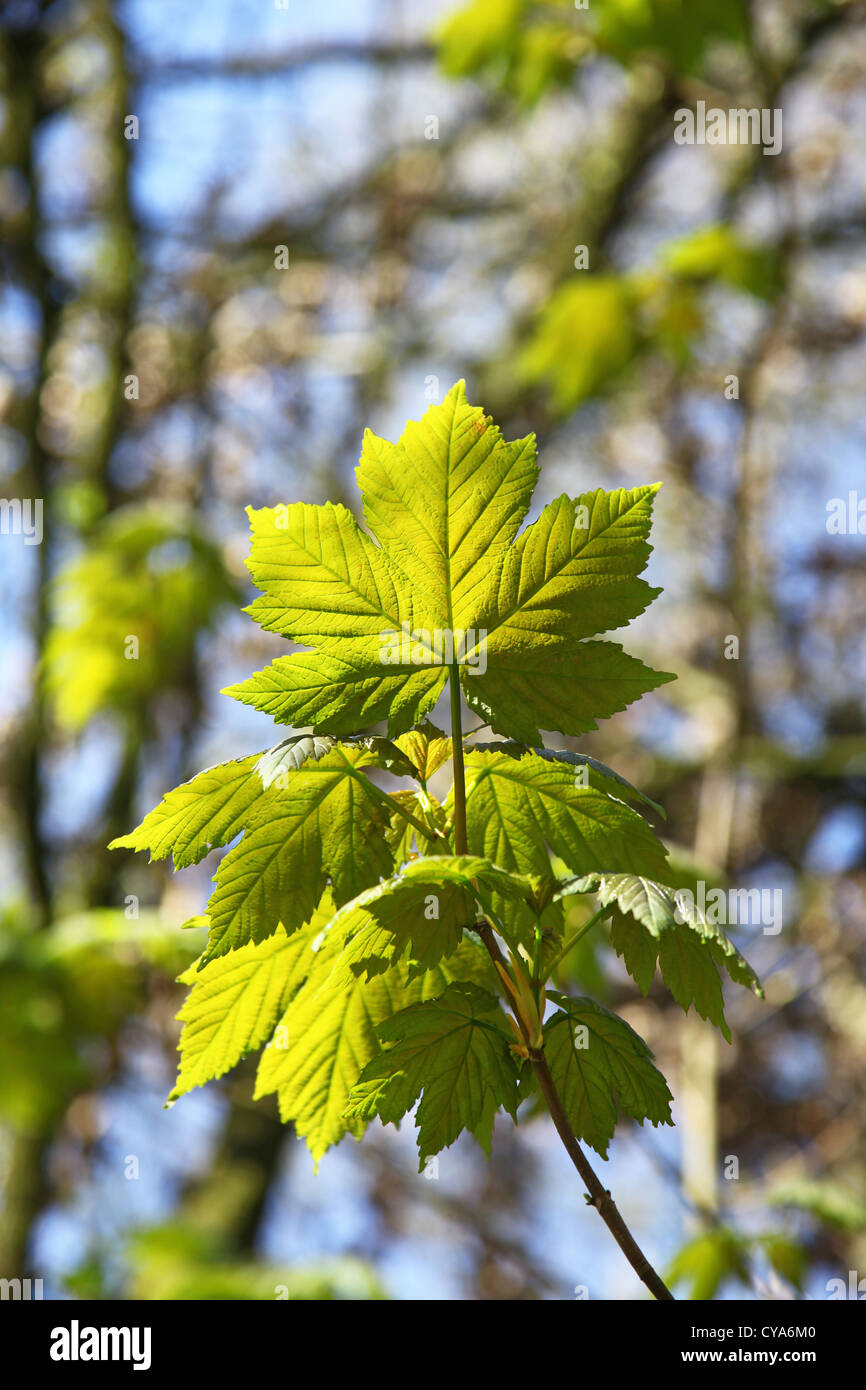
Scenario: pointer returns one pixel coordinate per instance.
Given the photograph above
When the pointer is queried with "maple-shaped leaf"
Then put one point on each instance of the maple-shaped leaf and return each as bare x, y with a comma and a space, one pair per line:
521, 804
422, 910
427, 748
526, 689
588, 770
328, 823
599, 1065
344, 691
446, 579
309, 815
455, 1053
517, 807
328, 1034
199, 815
235, 1000
446, 503
676, 934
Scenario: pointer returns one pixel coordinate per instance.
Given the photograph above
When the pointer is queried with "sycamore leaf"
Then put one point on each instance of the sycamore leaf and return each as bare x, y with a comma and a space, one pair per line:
675, 933
454, 1052
518, 807
327, 1035
279, 762
599, 1063
327, 822
216, 805
207, 811
427, 748
574, 572
423, 909
321, 576
597, 774
446, 503
235, 1001
446, 580
525, 690
342, 693
308, 921
402, 835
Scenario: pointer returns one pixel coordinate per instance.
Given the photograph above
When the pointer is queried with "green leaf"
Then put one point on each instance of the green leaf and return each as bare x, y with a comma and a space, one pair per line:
235, 1001
451, 583
586, 336
442, 583
446, 503
574, 572
599, 1064
598, 774
428, 749
327, 1035
198, 815
341, 694
324, 1040
321, 576
424, 909
454, 1052
275, 766
787, 1257
832, 1202
326, 823
679, 33
405, 839
677, 935
717, 252
518, 807
708, 1261
168, 584
217, 804
526, 690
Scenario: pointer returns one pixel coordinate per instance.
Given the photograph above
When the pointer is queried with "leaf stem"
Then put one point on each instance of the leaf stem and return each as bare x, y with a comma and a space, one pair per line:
457, 759
577, 935
394, 805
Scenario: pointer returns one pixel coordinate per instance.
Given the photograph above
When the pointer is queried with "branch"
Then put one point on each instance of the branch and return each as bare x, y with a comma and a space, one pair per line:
289, 60
597, 1194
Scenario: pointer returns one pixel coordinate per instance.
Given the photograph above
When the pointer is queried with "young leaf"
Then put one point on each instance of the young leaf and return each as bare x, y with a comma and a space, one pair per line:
598, 774
446, 503
427, 748
343, 693
456, 1051
403, 834
688, 951
328, 822
325, 1038
539, 687
321, 576
517, 807
574, 572
327, 1035
599, 1063
235, 1001
199, 815
424, 909
451, 583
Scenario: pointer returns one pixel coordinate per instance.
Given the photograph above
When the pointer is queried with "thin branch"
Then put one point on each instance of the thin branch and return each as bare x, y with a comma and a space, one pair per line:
284, 62
597, 1194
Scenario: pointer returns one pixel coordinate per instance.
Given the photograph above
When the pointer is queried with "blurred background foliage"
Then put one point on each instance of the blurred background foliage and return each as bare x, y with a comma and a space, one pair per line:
490, 190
